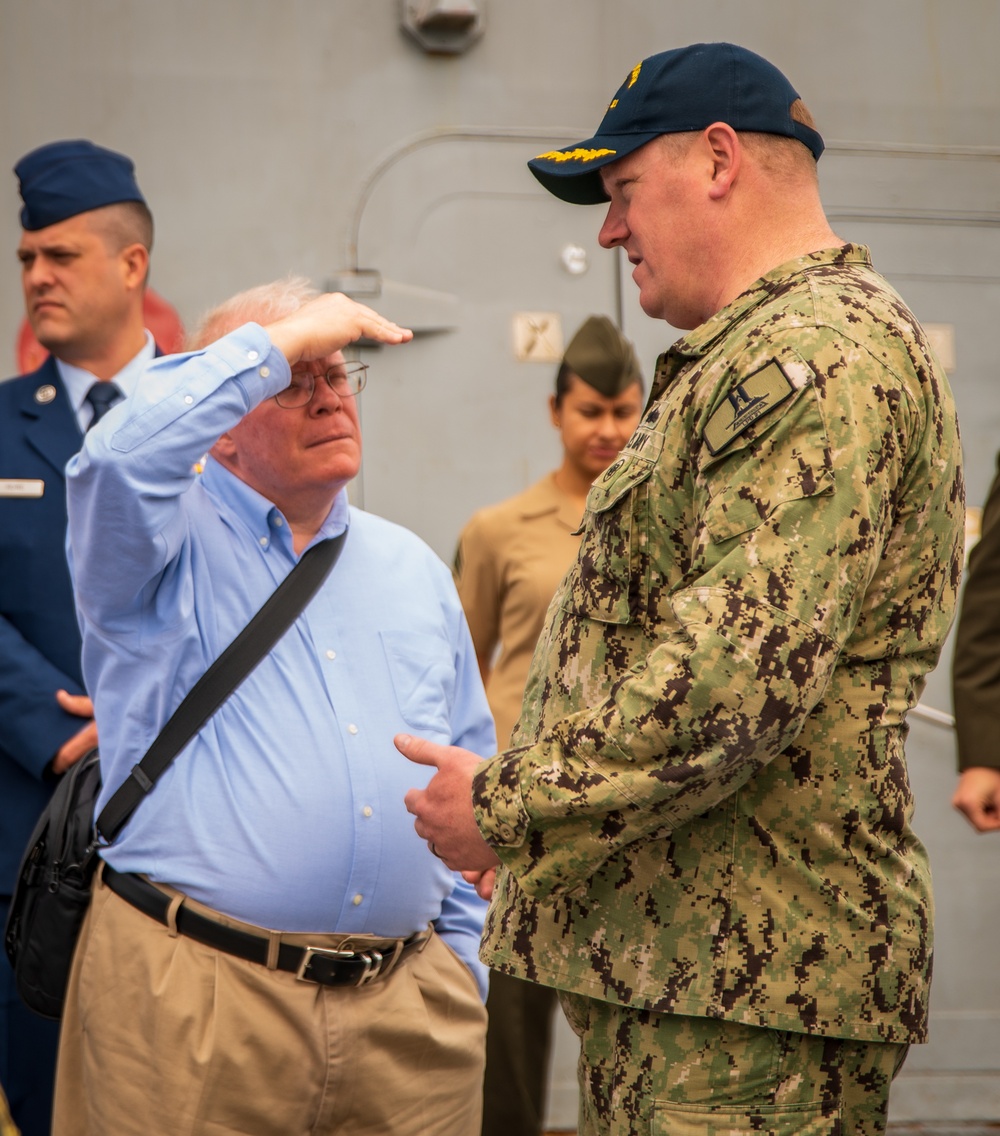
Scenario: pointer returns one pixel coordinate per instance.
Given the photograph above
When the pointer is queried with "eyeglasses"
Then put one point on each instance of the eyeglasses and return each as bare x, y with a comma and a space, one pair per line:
345, 379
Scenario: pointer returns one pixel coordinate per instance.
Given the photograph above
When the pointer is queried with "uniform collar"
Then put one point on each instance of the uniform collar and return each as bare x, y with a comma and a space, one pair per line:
545, 497
77, 381
701, 340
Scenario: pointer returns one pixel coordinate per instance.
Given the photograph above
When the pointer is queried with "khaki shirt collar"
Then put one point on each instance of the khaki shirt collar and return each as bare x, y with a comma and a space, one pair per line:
545, 497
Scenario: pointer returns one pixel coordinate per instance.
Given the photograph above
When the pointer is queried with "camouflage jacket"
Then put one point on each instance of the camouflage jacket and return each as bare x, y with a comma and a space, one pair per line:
709, 809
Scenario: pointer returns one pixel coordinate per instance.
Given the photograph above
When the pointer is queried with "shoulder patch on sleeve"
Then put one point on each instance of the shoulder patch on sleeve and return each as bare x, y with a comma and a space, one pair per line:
745, 403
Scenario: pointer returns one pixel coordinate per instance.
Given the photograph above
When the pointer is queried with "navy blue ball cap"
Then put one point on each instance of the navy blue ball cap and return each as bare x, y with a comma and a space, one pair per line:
682, 90
61, 179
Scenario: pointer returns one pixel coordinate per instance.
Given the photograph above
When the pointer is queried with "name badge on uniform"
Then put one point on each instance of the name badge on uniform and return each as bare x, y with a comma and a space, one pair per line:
745, 403
21, 487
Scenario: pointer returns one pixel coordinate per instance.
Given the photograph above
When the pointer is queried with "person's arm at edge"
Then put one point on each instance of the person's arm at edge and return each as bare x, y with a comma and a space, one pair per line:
975, 669
975, 676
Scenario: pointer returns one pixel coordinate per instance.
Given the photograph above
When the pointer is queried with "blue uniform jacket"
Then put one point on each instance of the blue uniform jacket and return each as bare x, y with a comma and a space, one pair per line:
39, 635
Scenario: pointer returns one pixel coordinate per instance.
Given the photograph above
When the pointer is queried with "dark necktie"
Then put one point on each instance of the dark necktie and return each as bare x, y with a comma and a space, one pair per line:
102, 396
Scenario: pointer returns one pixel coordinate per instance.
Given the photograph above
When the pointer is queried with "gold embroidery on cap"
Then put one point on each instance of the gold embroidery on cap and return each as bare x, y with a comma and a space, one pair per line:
577, 155
635, 75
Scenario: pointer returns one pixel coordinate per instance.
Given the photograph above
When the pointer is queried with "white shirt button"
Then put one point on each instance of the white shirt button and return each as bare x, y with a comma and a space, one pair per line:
331, 654
188, 400
367, 811
278, 522
265, 372
253, 356
357, 899
263, 542
352, 729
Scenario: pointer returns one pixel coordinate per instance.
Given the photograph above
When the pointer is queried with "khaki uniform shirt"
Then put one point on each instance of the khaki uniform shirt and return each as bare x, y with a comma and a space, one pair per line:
710, 814
509, 562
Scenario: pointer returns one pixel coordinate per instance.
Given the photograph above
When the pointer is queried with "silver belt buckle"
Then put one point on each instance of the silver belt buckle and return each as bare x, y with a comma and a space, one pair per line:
324, 952
372, 959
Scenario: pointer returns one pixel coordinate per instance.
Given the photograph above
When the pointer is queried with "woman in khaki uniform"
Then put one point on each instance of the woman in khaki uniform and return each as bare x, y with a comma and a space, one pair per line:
508, 564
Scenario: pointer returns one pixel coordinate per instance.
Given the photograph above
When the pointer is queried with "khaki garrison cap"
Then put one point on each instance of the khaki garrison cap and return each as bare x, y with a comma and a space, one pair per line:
600, 355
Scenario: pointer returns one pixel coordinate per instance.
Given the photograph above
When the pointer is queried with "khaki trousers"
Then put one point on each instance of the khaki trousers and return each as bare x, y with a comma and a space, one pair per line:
164, 1035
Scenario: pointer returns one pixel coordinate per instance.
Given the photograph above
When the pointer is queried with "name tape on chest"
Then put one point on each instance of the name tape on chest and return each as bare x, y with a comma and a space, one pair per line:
21, 487
745, 403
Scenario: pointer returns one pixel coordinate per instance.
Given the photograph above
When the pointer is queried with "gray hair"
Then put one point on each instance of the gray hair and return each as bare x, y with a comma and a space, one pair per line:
263, 304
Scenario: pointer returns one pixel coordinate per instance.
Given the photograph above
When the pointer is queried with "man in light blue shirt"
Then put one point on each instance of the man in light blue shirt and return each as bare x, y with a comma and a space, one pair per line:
282, 823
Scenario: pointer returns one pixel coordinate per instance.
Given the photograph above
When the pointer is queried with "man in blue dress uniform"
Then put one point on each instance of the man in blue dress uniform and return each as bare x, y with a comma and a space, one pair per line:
84, 254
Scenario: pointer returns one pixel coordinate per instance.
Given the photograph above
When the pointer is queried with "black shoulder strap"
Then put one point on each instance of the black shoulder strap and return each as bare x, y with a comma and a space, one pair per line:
221, 679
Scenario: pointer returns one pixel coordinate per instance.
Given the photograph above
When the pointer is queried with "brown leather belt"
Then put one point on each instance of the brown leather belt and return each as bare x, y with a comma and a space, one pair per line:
325, 965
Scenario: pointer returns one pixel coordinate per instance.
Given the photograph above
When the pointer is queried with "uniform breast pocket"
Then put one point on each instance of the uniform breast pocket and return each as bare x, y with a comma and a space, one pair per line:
423, 679
783, 458
610, 582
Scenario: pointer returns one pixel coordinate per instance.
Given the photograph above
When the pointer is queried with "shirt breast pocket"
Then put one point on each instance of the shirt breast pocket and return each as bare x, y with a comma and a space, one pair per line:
422, 670
610, 581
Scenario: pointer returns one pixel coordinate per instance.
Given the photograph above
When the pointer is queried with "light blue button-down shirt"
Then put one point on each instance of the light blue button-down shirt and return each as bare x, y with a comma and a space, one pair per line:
287, 809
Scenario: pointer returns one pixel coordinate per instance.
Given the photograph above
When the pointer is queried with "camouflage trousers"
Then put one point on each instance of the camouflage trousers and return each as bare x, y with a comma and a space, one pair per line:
670, 1075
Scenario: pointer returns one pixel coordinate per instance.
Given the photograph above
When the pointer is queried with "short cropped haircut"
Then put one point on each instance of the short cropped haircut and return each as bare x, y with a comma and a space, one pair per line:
125, 223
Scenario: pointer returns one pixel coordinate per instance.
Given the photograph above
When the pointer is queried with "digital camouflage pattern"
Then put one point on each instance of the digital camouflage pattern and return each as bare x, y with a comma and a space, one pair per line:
713, 1078
709, 809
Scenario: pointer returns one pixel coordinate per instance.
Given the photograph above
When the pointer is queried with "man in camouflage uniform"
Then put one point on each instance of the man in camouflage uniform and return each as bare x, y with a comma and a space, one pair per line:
704, 831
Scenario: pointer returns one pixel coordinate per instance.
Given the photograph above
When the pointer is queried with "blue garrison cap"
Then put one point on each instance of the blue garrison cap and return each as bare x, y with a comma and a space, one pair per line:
686, 89
62, 179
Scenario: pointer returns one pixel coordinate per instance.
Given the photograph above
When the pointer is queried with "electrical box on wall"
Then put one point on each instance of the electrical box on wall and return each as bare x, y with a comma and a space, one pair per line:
538, 337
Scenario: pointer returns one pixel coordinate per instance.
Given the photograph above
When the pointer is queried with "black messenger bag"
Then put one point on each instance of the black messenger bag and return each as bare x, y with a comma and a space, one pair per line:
52, 891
